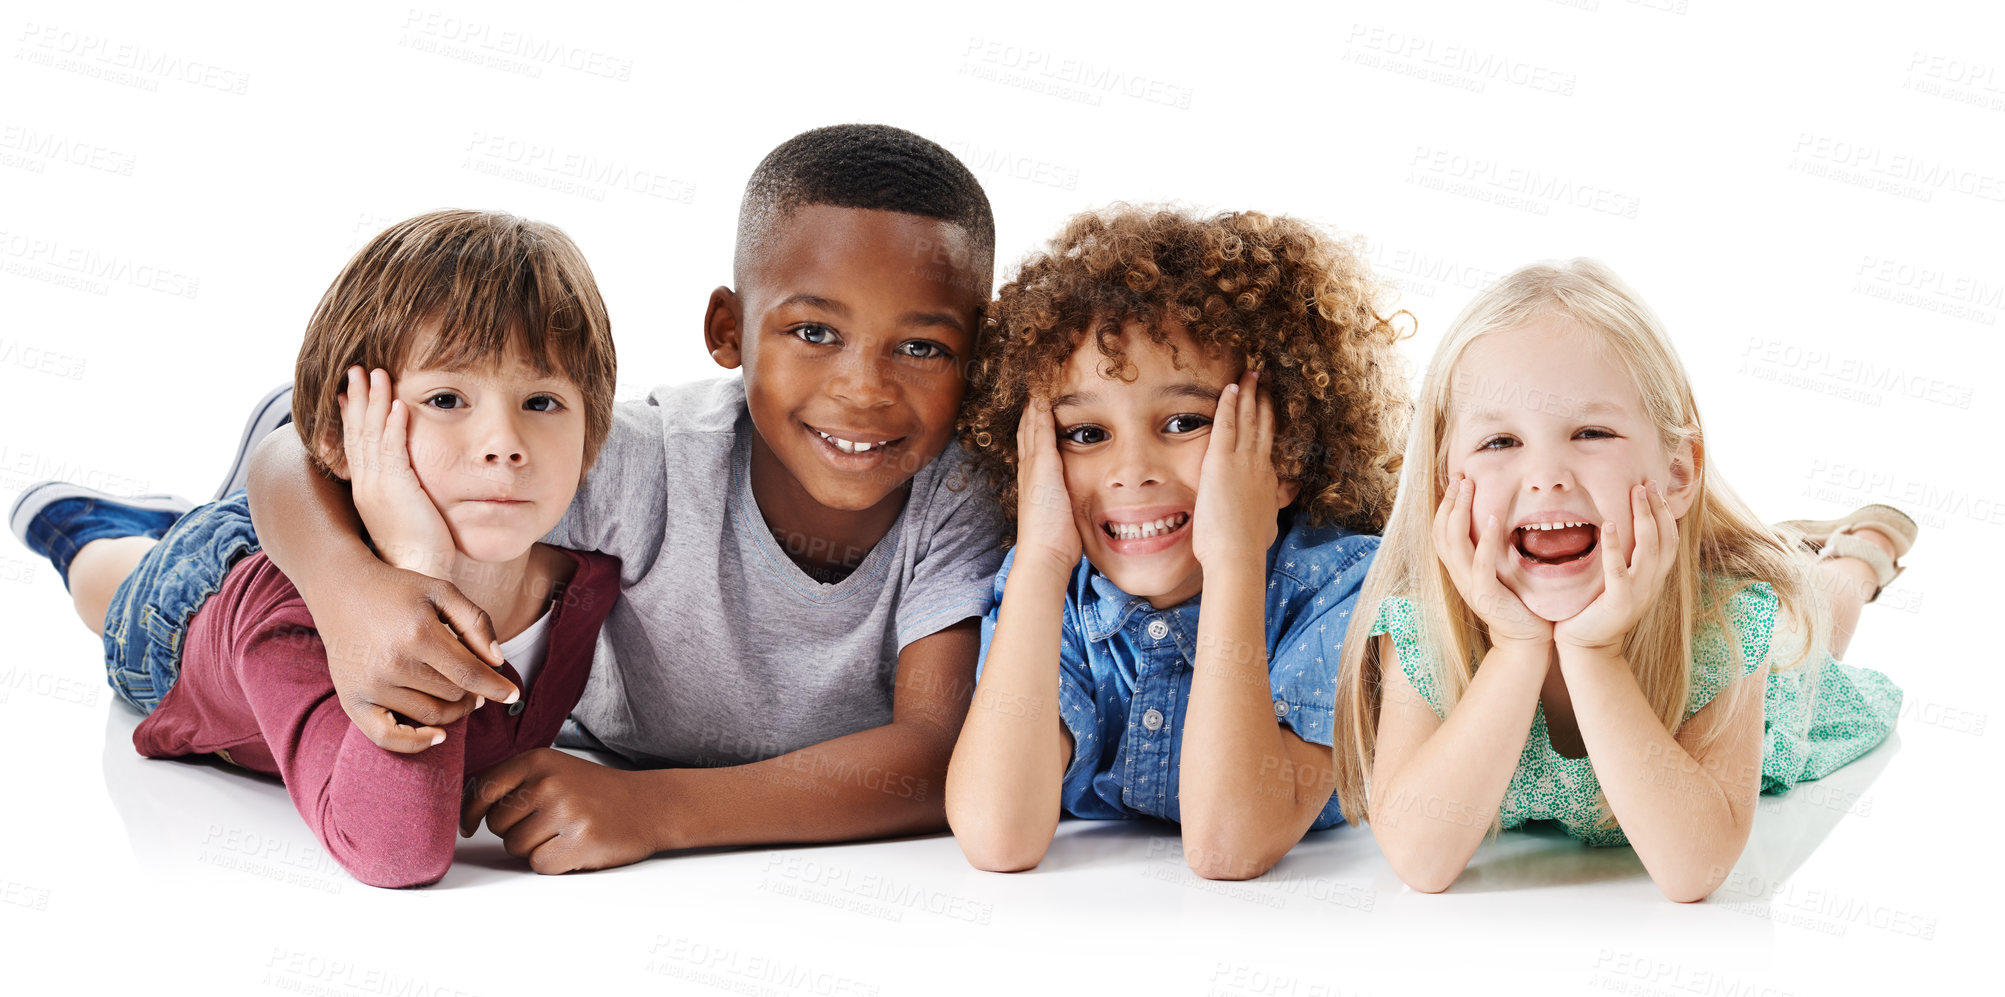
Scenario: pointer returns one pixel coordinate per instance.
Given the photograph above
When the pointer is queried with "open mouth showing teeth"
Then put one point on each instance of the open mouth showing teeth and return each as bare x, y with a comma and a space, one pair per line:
1555, 543
1143, 531
854, 446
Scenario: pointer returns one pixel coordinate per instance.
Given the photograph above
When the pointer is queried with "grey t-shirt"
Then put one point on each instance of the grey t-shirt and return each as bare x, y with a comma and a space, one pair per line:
721, 650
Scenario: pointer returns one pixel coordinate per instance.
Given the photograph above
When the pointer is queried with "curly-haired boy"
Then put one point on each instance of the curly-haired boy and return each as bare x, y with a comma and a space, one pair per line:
1194, 404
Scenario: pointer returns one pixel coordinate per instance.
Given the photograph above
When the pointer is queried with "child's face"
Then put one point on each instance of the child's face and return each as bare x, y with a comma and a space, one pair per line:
853, 328
499, 451
1132, 452
1552, 431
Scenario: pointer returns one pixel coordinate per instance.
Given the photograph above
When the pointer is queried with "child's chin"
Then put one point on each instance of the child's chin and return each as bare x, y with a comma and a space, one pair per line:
1554, 607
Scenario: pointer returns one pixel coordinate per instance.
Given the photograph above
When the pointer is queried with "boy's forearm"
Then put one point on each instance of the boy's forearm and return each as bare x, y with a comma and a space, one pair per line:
304, 519
1004, 786
1430, 815
881, 782
1238, 787
1686, 823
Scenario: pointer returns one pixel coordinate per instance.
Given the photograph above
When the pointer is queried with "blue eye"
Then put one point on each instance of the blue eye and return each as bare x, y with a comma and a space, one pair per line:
445, 401
1186, 423
819, 335
920, 349
1084, 436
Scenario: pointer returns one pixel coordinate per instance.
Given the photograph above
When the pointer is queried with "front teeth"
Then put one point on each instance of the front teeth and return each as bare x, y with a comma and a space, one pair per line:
1143, 531
1551, 526
849, 446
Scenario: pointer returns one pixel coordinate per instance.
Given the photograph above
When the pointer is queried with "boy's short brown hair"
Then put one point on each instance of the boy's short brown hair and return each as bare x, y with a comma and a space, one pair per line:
480, 280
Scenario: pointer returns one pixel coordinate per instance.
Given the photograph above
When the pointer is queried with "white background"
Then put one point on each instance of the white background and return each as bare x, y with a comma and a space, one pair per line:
1809, 194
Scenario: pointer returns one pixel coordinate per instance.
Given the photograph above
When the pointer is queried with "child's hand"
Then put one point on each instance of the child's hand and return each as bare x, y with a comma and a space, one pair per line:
1237, 487
1631, 580
1473, 567
562, 812
1044, 524
400, 518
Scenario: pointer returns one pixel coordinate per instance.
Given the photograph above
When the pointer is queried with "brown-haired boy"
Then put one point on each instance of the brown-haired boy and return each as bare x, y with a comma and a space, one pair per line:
805, 565
505, 373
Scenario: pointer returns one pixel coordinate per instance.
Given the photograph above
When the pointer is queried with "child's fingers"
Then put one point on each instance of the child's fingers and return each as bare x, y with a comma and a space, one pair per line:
380, 726
1263, 437
1667, 524
1645, 528
354, 400
1225, 425
1031, 428
1246, 421
490, 788
378, 411
396, 439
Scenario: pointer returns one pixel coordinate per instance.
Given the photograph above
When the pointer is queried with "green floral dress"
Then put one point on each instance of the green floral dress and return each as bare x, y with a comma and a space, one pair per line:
1819, 715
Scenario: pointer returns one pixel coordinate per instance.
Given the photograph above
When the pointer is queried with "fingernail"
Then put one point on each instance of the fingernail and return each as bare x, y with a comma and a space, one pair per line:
513, 695
479, 701
438, 738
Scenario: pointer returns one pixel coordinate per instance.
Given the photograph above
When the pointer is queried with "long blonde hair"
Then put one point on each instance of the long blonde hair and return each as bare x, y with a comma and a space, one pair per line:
1722, 545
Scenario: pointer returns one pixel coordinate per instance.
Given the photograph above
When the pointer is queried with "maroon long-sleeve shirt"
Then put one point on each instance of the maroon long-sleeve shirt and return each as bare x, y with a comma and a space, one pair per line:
254, 687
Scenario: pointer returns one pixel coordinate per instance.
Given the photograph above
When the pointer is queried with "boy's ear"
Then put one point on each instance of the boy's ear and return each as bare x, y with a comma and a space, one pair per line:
1284, 496
334, 458
723, 329
1687, 465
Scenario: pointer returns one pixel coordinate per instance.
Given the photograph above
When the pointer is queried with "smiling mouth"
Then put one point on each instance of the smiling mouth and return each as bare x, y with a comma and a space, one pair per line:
854, 446
1148, 530
1555, 543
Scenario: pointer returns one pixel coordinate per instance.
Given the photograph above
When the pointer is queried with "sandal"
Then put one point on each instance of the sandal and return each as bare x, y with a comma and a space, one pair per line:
1829, 538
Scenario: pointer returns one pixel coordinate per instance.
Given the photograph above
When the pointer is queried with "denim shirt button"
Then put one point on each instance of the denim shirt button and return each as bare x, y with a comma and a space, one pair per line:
1153, 720
1157, 631
1280, 708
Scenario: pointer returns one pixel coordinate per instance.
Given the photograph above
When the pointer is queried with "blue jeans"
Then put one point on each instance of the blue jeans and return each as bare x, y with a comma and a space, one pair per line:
148, 618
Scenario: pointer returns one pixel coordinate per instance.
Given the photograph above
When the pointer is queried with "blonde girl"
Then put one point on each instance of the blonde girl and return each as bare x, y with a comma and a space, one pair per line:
1573, 618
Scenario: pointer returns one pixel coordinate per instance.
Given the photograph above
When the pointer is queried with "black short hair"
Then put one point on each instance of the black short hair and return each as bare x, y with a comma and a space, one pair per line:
874, 167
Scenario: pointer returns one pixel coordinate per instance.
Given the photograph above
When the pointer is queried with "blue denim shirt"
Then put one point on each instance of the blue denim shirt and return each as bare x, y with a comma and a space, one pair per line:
1125, 670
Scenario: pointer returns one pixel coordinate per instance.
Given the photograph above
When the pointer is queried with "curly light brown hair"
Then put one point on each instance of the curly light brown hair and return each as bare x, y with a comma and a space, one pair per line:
1285, 297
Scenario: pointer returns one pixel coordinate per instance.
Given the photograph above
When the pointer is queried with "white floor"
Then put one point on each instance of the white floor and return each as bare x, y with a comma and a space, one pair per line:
1863, 882
1809, 194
